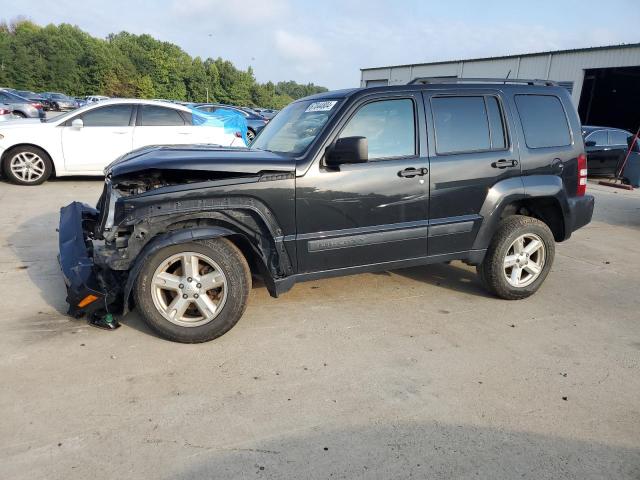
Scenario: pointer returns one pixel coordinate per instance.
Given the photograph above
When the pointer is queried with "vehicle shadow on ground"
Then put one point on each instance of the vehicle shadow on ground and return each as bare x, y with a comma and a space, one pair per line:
413, 450
453, 276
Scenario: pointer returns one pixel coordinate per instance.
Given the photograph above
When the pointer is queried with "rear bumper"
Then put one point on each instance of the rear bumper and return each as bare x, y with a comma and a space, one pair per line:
81, 276
581, 211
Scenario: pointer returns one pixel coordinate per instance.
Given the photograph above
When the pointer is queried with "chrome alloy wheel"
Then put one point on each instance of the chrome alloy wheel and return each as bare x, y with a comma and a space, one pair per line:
524, 260
189, 289
27, 166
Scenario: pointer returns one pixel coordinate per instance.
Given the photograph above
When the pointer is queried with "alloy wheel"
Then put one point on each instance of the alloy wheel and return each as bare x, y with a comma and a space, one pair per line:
189, 289
524, 260
27, 167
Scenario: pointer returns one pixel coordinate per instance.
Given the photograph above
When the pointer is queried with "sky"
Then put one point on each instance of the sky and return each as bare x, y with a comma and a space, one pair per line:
327, 42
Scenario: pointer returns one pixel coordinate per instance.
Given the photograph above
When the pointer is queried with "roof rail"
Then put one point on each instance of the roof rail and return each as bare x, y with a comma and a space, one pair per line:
435, 80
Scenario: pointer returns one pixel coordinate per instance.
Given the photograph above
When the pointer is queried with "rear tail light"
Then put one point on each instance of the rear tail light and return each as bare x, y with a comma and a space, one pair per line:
4, 111
37, 105
239, 134
582, 175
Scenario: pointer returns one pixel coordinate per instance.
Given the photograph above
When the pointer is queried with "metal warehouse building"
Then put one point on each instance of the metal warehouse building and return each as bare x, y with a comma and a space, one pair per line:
604, 81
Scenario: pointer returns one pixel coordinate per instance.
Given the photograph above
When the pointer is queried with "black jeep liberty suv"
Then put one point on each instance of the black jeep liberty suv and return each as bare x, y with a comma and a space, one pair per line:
490, 172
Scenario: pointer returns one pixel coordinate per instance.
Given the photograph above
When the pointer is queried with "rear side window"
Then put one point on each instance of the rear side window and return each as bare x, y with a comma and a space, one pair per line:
618, 137
543, 120
389, 126
154, 116
468, 124
111, 116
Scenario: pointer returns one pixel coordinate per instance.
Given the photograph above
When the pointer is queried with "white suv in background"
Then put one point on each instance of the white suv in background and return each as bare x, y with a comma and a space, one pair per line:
86, 140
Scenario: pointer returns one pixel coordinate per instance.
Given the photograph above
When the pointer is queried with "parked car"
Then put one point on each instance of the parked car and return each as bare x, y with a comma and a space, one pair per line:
350, 181
606, 148
60, 101
6, 113
84, 141
267, 113
95, 98
35, 97
255, 123
22, 108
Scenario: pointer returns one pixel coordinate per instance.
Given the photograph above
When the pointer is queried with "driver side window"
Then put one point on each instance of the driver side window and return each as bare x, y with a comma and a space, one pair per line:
388, 125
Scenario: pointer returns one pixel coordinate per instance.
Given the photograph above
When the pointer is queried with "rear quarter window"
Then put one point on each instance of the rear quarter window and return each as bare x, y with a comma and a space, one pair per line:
544, 121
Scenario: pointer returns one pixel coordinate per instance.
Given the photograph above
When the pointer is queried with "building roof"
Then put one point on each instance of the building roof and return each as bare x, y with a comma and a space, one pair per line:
501, 57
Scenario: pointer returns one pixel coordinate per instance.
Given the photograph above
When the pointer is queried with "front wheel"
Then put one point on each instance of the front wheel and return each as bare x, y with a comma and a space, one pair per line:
251, 135
27, 165
518, 259
194, 292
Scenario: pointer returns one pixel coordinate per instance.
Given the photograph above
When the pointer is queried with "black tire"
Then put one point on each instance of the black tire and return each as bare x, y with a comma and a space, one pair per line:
19, 114
46, 160
55, 107
235, 268
492, 272
251, 135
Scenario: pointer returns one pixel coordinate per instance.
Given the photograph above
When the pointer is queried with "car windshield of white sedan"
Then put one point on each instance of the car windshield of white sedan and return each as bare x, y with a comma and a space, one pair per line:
296, 127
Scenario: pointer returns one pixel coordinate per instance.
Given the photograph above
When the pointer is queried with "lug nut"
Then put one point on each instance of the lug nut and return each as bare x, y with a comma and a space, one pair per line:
185, 295
195, 295
189, 279
199, 285
181, 286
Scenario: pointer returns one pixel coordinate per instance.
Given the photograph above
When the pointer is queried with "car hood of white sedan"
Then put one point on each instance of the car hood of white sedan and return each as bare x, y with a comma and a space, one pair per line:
24, 123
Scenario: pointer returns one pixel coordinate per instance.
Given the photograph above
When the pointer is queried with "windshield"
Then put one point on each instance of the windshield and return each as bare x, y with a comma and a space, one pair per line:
295, 127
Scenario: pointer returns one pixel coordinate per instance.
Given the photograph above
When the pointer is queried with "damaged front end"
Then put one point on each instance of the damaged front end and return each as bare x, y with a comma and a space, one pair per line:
90, 289
186, 199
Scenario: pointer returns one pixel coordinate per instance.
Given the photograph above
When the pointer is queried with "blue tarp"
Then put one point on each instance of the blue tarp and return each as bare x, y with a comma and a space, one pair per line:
230, 120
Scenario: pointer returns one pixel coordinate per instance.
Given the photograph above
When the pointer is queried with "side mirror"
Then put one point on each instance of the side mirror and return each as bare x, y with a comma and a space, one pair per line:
77, 123
590, 143
347, 150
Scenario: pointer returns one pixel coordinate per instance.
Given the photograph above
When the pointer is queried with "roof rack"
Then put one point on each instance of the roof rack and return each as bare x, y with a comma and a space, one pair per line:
435, 80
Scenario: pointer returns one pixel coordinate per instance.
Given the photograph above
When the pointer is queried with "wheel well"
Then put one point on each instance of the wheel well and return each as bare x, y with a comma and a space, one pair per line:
546, 209
238, 239
8, 151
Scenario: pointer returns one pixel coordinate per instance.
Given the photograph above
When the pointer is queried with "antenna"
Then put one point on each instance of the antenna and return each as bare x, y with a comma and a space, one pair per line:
507, 77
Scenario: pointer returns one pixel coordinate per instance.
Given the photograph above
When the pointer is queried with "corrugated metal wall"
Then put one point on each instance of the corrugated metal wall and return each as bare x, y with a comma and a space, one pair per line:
560, 66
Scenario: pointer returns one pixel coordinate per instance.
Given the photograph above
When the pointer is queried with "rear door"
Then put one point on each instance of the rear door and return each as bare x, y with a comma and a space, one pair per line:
619, 147
159, 125
107, 133
373, 212
470, 149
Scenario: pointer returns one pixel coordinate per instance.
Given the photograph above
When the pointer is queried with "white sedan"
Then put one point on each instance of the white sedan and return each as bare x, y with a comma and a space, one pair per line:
86, 140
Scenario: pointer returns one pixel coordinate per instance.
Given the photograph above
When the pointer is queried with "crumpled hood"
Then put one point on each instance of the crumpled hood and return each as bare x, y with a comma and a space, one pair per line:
199, 157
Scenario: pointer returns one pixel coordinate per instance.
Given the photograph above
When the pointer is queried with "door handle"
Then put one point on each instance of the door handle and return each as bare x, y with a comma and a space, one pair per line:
119, 133
412, 172
184, 133
504, 163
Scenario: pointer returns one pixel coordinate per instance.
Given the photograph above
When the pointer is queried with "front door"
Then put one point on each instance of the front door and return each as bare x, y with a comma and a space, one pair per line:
470, 149
105, 134
373, 212
599, 155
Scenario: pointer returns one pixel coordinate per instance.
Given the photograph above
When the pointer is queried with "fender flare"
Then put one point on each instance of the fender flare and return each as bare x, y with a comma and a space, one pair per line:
165, 240
513, 189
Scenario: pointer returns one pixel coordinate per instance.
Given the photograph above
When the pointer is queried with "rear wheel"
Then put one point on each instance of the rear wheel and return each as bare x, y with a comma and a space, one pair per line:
194, 292
519, 258
19, 114
27, 165
250, 135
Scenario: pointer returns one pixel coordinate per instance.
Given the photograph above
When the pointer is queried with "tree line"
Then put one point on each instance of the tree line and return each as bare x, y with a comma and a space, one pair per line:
64, 58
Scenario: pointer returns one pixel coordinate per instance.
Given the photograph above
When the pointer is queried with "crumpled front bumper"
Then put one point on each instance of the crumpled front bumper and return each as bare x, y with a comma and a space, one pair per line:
87, 288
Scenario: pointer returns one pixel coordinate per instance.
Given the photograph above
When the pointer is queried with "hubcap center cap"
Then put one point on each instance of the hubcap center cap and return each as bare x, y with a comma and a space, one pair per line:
190, 288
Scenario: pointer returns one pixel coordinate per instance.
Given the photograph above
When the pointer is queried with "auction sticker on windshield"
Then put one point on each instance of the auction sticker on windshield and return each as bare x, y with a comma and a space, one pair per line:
321, 106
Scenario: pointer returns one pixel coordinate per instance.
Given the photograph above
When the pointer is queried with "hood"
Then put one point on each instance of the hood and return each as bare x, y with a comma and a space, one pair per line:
21, 123
200, 158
